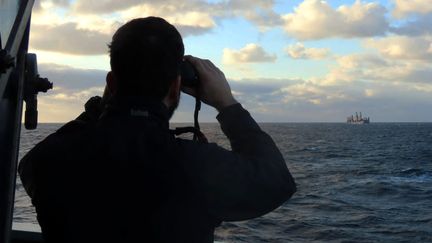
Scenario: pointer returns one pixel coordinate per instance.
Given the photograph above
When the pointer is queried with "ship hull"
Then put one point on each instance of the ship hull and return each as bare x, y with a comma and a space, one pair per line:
358, 122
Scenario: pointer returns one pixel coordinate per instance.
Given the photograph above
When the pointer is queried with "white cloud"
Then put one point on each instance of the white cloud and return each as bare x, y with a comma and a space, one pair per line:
353, 67
46, 13
376, 69
187, 19
68, 38
316, 19
251, 53
299, 51
286, 99
370, 92
72, 79
80, 96
423, 88
421, 25
103, 6
97, 24
63, 105
406, 7
402, 47
52, 110
264, 19
259, 12
44, 4
75, 31
302, 89
314, 94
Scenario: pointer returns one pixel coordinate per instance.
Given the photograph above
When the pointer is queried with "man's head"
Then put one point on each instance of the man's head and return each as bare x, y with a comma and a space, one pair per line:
146, 54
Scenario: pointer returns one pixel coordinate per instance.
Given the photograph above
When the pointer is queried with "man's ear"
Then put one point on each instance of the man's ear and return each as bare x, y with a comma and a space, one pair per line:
111, 83
174, 90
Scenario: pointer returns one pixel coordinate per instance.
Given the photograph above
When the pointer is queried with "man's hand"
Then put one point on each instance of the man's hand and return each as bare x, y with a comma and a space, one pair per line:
213, 88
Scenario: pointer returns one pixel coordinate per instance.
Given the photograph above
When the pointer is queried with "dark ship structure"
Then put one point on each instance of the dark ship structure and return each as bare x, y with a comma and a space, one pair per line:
19, 83
358, 119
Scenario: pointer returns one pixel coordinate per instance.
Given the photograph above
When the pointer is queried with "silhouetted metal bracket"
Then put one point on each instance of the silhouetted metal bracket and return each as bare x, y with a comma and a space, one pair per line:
6, 61
33, 85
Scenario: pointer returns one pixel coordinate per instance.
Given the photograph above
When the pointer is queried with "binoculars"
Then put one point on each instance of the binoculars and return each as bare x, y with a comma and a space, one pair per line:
189, 75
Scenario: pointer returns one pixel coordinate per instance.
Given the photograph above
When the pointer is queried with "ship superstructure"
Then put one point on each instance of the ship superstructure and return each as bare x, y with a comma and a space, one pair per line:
358, 119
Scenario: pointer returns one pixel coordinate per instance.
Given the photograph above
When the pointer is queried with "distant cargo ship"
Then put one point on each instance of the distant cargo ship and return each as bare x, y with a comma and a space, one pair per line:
358, 119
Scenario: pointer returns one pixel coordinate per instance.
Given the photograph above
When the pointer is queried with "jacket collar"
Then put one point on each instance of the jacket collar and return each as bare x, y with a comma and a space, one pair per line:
135, 106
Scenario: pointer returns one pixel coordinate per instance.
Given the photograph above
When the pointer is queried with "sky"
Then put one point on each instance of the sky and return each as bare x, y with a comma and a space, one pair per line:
285, 60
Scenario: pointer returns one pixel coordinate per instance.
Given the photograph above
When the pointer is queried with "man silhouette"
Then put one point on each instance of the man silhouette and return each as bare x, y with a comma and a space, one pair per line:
119, 175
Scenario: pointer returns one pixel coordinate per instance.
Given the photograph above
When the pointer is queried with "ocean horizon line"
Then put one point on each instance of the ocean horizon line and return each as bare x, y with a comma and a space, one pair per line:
280, 122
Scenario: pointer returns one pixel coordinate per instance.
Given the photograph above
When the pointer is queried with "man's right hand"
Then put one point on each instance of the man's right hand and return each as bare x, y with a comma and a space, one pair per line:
213, 88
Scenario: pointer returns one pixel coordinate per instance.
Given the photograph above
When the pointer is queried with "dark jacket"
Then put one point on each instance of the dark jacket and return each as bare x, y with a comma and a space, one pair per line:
125, 178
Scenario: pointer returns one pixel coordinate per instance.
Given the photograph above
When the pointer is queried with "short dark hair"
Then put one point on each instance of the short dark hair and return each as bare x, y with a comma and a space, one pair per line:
146, 54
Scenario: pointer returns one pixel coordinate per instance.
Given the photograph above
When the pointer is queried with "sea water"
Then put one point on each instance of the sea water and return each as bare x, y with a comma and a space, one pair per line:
356, 183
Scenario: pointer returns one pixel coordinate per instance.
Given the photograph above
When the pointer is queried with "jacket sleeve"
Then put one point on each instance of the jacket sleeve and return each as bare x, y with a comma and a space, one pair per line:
32, 162
247, 182
25, 170
42, 152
